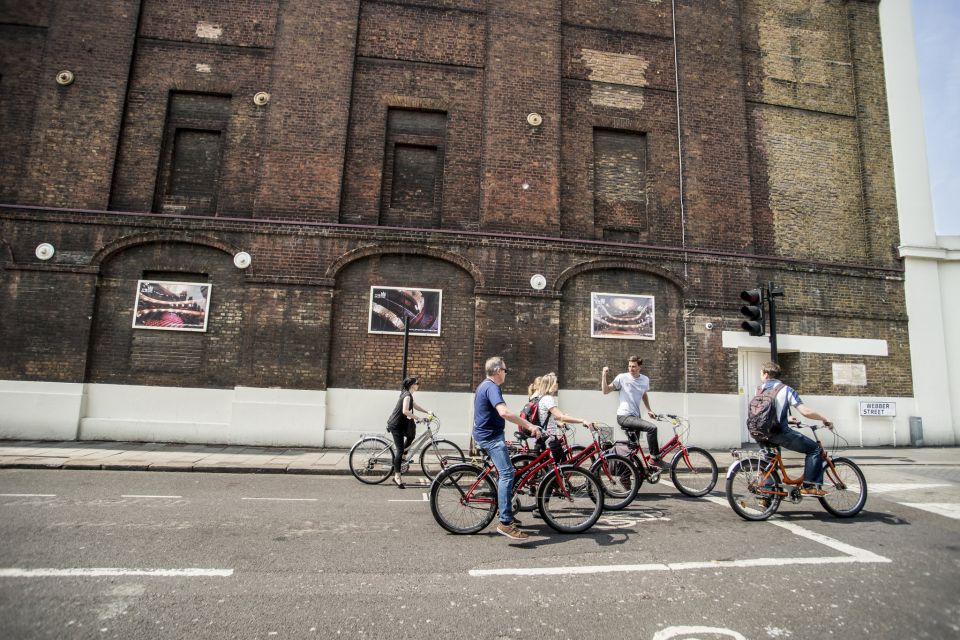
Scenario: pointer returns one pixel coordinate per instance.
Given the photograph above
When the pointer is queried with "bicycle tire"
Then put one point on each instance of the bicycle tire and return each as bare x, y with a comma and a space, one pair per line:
619, 480
573, 506
576, 450
438, 455
526, 498
742, 494
458, 509
694, 472
371, 459
846, 488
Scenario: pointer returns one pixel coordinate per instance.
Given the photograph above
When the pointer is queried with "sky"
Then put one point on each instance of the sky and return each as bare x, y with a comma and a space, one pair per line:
936, 26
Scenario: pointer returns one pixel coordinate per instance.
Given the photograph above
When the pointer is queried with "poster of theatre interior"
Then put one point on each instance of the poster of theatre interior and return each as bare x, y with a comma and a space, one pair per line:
171, 306
391, 306
622, 315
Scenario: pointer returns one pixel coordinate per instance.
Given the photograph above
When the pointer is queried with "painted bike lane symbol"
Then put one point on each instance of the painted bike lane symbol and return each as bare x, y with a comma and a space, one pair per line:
696, 633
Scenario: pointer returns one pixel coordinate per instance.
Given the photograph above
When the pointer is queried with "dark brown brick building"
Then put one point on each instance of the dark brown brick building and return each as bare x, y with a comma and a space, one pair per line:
674, 151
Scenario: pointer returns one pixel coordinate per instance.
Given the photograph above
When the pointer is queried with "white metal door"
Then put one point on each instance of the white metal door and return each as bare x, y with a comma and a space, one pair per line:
750, 364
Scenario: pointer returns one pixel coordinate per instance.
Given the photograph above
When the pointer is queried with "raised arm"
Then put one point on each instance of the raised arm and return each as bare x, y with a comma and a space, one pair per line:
604, 385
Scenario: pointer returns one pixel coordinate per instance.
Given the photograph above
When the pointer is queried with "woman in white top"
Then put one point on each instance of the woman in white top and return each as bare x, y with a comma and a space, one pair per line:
549, 413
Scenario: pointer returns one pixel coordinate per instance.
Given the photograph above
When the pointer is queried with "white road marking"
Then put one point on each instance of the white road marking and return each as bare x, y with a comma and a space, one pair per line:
425, 498
110, 571
689, 632
879, 487
284, 499
28, 495
854, 555
948, 509
132, 495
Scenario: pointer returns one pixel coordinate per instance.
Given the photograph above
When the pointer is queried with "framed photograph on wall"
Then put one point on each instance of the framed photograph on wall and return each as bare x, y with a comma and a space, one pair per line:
389, 306
622, 315
171, 306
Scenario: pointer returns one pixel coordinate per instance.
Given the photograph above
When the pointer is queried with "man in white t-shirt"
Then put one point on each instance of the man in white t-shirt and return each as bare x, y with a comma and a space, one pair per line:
633, 387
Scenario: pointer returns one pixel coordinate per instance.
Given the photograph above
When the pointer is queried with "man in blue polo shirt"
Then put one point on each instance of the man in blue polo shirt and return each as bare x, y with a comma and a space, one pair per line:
490, 415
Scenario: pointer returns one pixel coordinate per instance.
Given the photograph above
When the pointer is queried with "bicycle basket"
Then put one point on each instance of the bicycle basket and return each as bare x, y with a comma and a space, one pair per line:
682, 429
605, 435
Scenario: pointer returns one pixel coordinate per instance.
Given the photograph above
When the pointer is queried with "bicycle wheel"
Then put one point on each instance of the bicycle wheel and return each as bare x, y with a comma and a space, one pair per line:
371, 460
846, 488
525, 499
576, 450
694, 472
572, 502
463, 499
619, 480
438, 455
743, 484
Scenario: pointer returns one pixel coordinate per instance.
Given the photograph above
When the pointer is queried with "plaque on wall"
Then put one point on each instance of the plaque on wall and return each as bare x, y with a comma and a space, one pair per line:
391, 306
622, 315
171, 306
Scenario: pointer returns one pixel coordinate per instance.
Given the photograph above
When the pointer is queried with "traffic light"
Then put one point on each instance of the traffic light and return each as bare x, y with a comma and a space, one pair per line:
753, 310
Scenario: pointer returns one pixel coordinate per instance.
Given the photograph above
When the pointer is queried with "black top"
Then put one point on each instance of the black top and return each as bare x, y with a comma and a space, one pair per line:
397, 419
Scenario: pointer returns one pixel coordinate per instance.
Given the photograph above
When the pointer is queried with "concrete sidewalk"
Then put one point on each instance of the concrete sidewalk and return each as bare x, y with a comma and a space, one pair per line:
158, 456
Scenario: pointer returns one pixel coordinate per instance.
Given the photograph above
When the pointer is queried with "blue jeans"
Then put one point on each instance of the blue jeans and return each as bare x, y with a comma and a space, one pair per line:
795, 441
497, 450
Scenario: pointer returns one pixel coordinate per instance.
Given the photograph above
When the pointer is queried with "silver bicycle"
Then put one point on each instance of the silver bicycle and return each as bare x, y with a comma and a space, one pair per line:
371, 458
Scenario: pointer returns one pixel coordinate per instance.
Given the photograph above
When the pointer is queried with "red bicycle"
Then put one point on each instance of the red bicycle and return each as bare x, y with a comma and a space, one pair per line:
692, 469
463, 498
617, 475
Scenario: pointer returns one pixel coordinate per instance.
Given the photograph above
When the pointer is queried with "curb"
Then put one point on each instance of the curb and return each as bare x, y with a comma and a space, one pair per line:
173, 466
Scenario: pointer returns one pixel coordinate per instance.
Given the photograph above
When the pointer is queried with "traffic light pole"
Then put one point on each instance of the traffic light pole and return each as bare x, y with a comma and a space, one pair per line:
773, 291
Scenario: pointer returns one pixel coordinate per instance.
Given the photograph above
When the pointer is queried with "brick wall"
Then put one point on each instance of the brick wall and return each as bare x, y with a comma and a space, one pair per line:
782, 143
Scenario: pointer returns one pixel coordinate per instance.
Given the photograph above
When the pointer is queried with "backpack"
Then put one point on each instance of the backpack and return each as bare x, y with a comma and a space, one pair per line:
531, 411
762, 418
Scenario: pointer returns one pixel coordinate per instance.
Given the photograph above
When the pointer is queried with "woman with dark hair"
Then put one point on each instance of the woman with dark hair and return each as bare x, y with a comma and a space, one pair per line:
401, 425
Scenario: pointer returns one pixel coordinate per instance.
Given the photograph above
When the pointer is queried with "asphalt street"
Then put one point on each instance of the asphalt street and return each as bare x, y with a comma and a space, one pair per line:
118, 554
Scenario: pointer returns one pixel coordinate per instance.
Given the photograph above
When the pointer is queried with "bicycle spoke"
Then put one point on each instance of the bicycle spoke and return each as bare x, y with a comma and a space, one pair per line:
846, 489
571, 502
463, 500
694, 472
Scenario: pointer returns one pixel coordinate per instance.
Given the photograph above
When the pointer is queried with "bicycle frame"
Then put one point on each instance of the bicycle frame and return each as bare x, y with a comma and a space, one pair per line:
636, 450
521, 479
777, 464
420, 442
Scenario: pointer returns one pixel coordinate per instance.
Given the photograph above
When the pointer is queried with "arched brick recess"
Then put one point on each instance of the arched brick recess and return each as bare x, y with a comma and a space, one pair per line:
582, 357
120, 354
374, 361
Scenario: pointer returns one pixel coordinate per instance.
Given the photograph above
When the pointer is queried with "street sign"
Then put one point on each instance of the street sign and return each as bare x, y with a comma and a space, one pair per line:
878, 408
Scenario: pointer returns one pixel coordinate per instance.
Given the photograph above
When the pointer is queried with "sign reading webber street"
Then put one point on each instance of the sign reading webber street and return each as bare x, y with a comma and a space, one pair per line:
878, 408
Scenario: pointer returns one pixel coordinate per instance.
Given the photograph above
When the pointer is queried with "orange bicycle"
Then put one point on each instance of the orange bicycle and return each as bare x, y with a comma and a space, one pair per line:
757, 482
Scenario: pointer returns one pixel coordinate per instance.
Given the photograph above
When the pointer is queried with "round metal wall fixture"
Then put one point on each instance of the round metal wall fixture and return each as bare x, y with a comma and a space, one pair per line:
534, 119
261, 98
45, 251
538, 282
65, 77
242, 260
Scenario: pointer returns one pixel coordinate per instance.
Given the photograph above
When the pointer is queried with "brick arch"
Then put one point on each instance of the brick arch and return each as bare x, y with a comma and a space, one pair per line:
126, 242
582, 355
604, 264
374, 250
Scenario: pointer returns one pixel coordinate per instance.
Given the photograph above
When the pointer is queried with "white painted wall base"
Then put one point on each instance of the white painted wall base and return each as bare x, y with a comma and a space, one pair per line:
244, 415
40, 410
337, 418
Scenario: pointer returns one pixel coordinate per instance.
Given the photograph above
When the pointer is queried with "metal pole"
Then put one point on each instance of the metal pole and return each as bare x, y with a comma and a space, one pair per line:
772, 292
406, 341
